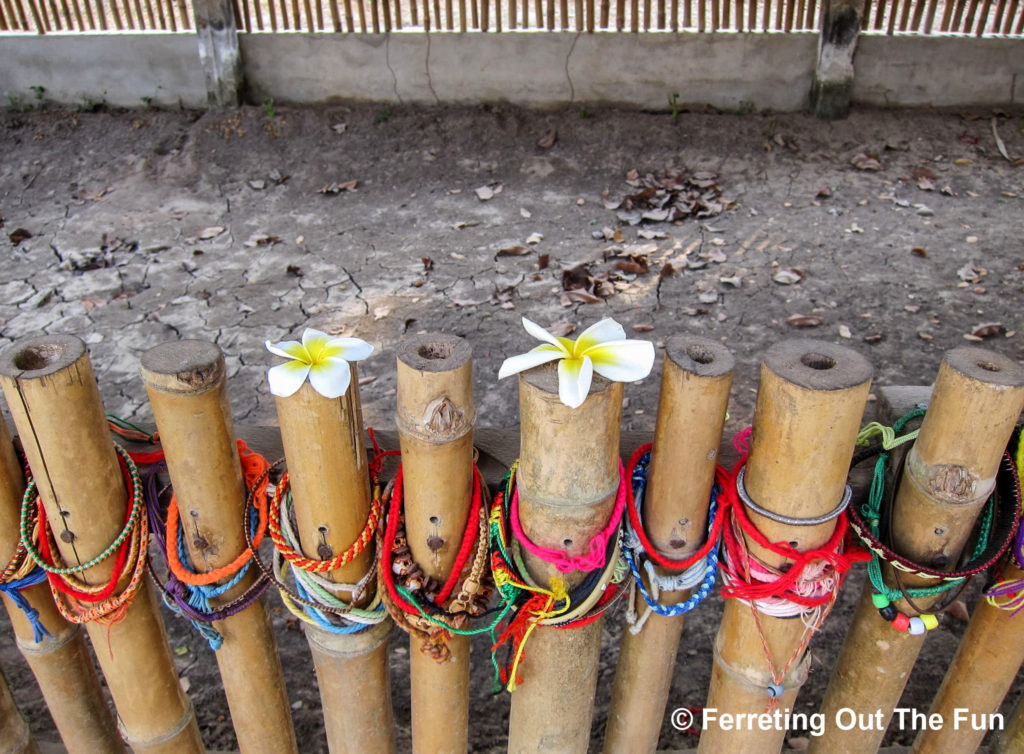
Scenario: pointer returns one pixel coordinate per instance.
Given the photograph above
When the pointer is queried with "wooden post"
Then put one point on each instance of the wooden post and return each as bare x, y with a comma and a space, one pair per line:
832, 86
219, 53
187, 389
50, 387
809, 407
948, 475
62, 666
435, 417
15, 736
695, 385
330, 484
568, 478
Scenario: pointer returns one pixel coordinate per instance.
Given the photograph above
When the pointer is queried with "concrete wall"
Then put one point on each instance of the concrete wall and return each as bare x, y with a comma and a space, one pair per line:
538, 69
769, 71
938, 71
120, 68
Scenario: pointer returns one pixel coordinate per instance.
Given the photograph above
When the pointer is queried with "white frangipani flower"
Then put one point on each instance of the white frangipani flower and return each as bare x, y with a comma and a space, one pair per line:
320, 357
601, 348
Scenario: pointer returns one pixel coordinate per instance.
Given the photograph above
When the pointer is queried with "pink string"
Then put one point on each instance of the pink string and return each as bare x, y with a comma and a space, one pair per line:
596, 553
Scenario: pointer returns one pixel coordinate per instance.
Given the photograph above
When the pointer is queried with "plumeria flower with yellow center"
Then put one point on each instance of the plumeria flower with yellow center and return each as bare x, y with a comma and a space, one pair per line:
601, 348
320, 357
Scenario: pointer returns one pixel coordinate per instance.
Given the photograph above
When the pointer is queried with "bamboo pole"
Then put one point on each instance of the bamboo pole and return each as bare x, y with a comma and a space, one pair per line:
61, 664
983, 669
809, 406
1011, 741
51, 390
187, 389
695, 385
15, 736
948, 474
567, 481
327, 465
435, 417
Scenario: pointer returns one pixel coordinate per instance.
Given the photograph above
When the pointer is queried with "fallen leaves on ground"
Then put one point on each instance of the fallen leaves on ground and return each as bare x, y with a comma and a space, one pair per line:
338, 188
486, 193
986, 330
863, 161
801, 320
672, 196
19, 235
788, 275
513, 251
548, 140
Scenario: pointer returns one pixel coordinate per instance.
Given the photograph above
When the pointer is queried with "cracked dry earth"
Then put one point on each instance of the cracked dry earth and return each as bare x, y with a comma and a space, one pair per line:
152, 225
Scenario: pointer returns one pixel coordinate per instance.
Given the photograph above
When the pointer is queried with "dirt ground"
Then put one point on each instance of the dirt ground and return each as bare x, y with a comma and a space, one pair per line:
895, 233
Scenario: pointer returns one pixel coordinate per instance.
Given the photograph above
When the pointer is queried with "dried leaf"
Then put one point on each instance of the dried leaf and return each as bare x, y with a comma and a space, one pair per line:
824, 192
735, 281
535, 238
862, 161
788, 275
971, 274
369, 378
212, 232
562, 329
548, 140
925, 184
577, 278
875, 337
381, 312
339, 128
999, 142
428, 263
988, 329
294, 270
484, 193
844, 332
800, 320
643, 328
631, 268
543, 260
667, 271
708, 297
917, 251
525, 213
579, 297
19, 235
651, 234
513, 251
337, 188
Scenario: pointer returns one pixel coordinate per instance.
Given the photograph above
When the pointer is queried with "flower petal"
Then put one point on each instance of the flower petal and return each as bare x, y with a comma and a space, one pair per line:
349, 349
539, 355
286, 379
314, 342
623, 360
599, 332
574, 378
541, 334
330, 377
290, 349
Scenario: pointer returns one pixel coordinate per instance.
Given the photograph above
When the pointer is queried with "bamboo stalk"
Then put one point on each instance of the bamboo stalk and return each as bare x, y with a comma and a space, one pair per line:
398, 14
40, 26
893, 12
725, 21
1007, 18
386, 8
187, 389
809, 405
332, 6
946, 15
972, 14
159, 13
579, 14
1011, 740
327, 465
497, 16
61, 664
715, 18
919, 9
426, 13
297, 18
983, 21
350, 25
170, 13
449, 9
186, 18
437, 14
674, 14
435, 417
51, 390
592, 15
1019, 28
3, 19
567, 481
634, 21
932, 7
695, 385
982, 671
16, 14
948, 474
564, 10
14, 730
58, 22
149, 14
620, 14
246, 15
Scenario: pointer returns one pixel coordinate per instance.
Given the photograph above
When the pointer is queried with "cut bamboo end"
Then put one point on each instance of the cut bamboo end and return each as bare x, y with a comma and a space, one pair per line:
329, 474
187, 390
569, 466
809, 405
695, 385
51, 390
435, 416
947, 478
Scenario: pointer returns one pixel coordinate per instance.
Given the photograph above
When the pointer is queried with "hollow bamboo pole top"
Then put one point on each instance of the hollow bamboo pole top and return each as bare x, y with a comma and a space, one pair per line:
188, 392
435, 416
809, 407
695, 384
51, 390
329, 475
569, 466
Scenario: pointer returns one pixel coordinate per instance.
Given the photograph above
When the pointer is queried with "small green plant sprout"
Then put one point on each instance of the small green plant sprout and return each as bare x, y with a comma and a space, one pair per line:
147, 101
383, 116
585, 114
268, 107
38, 91
673, 103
